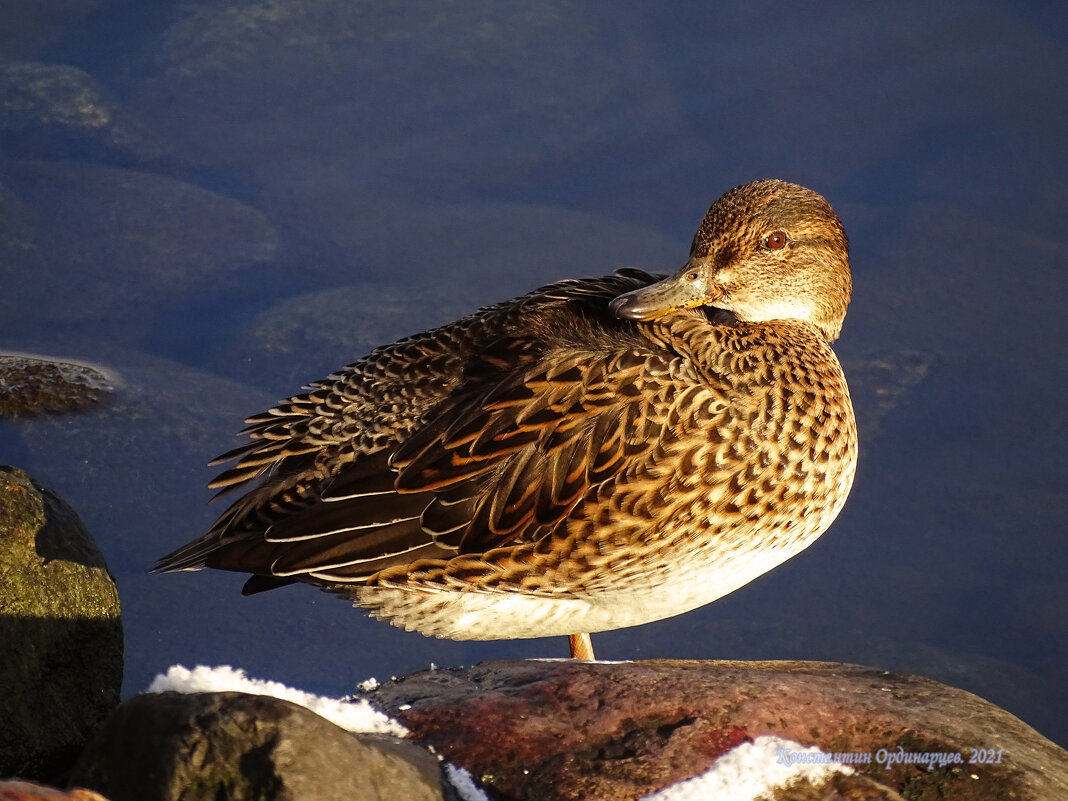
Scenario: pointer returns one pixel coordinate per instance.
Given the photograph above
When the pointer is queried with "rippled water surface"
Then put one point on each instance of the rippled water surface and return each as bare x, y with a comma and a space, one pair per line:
222, 201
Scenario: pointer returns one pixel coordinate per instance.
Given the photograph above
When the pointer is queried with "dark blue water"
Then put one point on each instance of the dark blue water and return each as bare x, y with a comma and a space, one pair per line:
223, 201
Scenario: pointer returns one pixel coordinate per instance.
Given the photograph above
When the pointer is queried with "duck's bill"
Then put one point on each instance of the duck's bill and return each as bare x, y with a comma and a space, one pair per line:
662, 298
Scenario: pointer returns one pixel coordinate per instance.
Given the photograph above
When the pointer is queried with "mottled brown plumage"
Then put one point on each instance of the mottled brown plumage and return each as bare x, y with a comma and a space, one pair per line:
595, 454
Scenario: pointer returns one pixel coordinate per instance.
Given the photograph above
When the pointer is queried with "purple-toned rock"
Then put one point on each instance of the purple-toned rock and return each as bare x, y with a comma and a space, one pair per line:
574, 730
27, 791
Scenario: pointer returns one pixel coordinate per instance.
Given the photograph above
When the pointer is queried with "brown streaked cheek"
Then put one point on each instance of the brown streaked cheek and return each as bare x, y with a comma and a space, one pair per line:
724, 257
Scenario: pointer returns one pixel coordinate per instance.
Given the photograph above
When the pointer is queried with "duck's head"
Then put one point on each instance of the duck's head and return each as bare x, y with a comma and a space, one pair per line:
768, 250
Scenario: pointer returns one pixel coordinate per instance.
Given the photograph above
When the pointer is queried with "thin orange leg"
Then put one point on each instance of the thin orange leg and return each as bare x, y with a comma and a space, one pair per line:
581, 646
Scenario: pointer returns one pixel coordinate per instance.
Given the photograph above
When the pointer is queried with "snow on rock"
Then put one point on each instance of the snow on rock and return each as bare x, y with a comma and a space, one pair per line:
464, 784
354, 716
750, 771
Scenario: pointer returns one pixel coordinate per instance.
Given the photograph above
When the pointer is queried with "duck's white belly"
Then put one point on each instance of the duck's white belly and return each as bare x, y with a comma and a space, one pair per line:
469, 614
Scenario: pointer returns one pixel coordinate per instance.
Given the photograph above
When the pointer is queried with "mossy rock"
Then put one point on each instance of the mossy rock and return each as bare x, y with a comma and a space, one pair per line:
61, 631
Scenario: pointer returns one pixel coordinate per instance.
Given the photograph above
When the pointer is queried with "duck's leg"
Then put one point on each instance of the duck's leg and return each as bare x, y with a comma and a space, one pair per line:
581, 646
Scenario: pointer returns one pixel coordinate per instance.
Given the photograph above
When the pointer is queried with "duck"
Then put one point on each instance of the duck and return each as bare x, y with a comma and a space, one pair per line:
596, 454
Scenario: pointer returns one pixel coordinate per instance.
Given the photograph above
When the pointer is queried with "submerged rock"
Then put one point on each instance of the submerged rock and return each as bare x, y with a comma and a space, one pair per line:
60, 631
331, 327
59, 111
485, 72
126, 241
32, 385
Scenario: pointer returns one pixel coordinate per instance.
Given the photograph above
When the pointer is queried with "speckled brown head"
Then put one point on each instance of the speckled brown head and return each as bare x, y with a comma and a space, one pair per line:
768, 250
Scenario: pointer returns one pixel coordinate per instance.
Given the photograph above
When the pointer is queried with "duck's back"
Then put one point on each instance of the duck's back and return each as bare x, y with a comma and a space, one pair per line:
324, 456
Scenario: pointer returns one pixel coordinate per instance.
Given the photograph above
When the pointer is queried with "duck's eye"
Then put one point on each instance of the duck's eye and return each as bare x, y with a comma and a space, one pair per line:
775, 240
693, 275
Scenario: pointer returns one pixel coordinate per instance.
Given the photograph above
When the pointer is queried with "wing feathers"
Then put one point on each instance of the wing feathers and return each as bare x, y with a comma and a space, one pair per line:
477, 435
343, 550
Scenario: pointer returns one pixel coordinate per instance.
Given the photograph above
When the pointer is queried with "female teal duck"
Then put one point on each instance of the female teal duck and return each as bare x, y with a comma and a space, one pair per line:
599, 453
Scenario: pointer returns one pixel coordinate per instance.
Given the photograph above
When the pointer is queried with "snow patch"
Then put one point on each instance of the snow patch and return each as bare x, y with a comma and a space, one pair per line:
463, 782
750, 771
355, 716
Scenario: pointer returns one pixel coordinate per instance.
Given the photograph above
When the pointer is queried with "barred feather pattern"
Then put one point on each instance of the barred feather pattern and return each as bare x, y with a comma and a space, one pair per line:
541, 447
740, 453
544, 466
337, 437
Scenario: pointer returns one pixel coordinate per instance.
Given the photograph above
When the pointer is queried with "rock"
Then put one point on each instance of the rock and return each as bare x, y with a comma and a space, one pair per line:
153, 438
31, 385
167, 411
615, 731
239, 746
26, 791
836, 788
59, 111
60, 629
486, 74
124, 241
754, 771
328, 329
